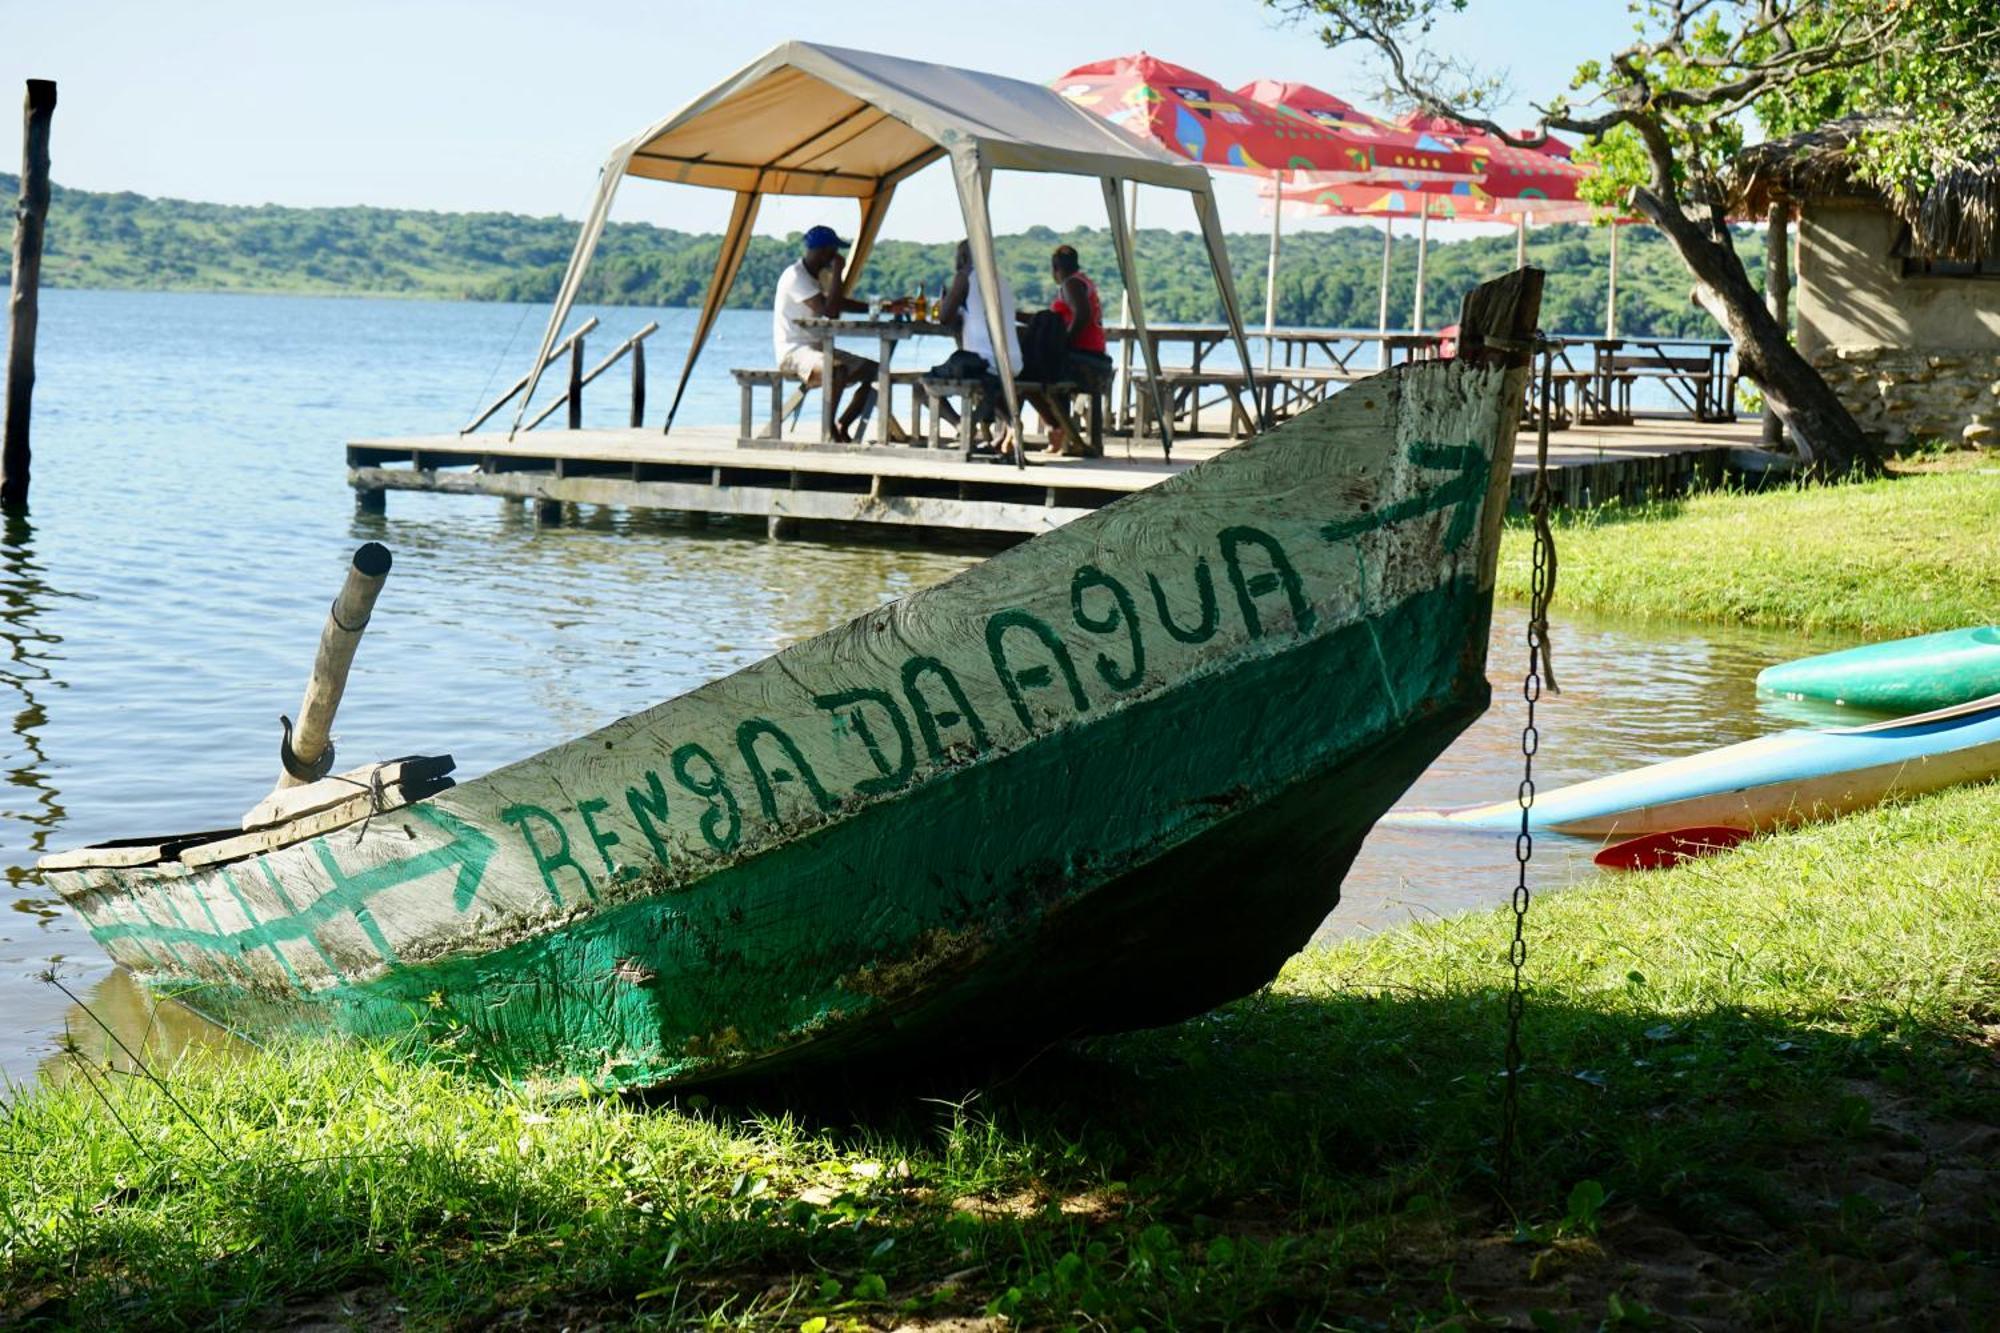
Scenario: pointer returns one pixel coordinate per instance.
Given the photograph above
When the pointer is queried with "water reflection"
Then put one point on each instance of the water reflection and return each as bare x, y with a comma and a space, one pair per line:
118, 1025
28, 672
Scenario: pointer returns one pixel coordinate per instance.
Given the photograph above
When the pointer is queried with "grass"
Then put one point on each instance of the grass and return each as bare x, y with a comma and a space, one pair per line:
1762, 1092
1907, 555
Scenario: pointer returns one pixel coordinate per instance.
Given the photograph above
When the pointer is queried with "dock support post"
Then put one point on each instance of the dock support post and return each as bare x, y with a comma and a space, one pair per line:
371, 500
1777, 296
780, 528
548, 513
25, 311
576, 385
638, 385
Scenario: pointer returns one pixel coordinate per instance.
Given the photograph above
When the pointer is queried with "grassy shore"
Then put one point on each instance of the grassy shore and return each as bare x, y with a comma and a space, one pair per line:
1888, 558
1762, 1092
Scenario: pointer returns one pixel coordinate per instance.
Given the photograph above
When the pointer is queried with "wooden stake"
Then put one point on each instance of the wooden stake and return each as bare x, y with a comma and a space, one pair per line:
309, 747
638, 385
38, 112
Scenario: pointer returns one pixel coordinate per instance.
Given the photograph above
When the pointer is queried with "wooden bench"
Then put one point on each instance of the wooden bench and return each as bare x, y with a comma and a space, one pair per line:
1056, 393
1182, 389
1691, 379
750, 380
1287, 389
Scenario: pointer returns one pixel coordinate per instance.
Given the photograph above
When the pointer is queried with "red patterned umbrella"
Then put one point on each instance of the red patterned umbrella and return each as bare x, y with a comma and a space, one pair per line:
1202, 120
1398, 153
1545, 175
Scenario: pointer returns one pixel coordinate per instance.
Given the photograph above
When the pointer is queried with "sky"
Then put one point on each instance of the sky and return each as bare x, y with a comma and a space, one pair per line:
501, 105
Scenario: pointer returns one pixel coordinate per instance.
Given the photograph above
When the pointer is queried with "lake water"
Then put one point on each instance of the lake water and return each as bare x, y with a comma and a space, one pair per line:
191, 521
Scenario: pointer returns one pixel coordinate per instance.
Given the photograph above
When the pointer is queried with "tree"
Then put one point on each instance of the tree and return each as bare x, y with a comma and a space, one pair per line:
1665, 116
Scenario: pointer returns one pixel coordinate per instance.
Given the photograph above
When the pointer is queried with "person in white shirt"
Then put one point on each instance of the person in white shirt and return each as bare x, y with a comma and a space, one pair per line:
811, 287
965, 306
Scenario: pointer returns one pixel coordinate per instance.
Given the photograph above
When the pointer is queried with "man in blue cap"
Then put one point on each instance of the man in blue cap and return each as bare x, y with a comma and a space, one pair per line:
812, 287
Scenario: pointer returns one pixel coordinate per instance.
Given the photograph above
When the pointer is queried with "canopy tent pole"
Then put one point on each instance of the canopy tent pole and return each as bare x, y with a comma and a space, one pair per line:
1125, 403
1611, 287
974, 179
1423, 243
1520, 240
1128, 270
873, 209
1225, 287
1382, 312
728, 260
579, 260
1271, 271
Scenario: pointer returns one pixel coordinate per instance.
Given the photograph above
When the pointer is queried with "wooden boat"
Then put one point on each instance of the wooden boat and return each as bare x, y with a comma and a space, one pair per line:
1792, 777
1108, 778
1912, 675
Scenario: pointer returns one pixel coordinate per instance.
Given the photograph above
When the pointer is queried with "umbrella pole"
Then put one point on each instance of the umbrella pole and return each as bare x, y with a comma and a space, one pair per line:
1382, 312
1611, 287
1271, 272
1423, 242
1520, 240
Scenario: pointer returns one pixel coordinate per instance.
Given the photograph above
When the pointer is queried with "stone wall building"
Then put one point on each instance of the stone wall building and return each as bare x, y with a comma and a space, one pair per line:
1898, 300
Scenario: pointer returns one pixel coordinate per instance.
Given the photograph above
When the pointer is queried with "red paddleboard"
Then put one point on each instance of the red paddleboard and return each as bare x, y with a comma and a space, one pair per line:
1659, 851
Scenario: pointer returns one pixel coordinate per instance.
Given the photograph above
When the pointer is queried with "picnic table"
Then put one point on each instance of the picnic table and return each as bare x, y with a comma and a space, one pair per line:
1696, 371
887, 333
1282, 384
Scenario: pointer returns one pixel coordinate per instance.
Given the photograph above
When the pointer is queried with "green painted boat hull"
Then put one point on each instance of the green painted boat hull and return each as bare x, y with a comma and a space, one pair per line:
1109, 778
1915, 675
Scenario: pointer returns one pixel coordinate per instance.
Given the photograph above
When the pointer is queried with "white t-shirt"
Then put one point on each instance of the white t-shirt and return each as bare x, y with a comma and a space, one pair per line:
973, 336
795, 287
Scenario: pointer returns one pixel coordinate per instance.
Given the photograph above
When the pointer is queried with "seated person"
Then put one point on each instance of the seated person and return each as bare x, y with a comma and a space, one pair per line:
1088, 364
964, 308
812, 286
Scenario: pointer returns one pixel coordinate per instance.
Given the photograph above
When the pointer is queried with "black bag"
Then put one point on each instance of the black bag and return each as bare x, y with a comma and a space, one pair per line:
1045, 348
961, 365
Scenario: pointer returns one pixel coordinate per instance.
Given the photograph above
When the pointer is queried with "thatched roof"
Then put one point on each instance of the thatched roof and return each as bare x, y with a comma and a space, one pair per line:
1957, 216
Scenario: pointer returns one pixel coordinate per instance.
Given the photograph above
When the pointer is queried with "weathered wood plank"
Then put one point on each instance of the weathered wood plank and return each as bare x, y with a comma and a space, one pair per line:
288, 803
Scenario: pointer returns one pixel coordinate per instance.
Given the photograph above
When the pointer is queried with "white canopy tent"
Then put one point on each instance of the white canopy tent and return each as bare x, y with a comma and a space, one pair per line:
818, 120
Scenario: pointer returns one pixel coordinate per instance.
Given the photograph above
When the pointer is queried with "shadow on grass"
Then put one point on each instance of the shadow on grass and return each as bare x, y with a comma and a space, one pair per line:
1289, 1161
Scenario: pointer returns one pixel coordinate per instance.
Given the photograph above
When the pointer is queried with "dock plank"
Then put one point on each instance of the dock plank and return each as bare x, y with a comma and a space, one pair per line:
704, 469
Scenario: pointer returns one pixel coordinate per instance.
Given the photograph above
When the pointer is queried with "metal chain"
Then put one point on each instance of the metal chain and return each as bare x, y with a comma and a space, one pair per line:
1540, 588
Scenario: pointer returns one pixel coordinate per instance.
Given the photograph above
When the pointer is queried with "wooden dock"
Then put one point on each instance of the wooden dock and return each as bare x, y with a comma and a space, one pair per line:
705, 471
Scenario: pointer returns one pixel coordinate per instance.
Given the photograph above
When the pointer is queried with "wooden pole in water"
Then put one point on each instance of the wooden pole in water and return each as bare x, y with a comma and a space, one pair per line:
638, 384
307, 754
576, 385
1777, 295
25, 312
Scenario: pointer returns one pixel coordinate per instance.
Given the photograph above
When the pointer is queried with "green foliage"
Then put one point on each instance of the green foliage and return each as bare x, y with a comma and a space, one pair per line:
1326, 278
1319, 1155
1884, 558
1667, 112
1936, 92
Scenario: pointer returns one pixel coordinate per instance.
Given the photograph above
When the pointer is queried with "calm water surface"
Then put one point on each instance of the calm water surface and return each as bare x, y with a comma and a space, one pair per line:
191, 521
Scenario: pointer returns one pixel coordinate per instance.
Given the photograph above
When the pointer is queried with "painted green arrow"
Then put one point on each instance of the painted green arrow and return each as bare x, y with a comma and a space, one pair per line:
1466, 488
469, 849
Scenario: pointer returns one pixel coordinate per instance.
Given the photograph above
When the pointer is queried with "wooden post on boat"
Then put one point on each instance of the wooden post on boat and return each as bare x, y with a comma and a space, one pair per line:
576, 385
638, 384
307, 750
25, 310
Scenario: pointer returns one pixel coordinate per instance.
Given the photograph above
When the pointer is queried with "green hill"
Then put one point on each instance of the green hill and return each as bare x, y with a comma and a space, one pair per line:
1325, 278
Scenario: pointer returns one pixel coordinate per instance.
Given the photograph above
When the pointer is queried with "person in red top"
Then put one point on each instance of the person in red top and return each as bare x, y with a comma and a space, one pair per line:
1081, 311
